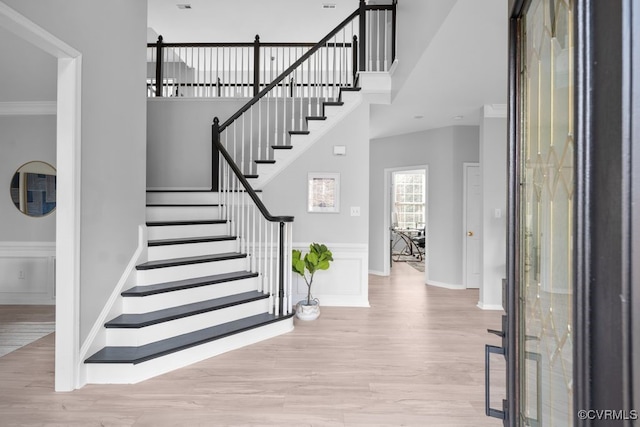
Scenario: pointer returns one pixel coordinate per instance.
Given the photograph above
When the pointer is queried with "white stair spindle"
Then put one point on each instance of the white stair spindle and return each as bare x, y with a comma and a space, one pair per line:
386, 42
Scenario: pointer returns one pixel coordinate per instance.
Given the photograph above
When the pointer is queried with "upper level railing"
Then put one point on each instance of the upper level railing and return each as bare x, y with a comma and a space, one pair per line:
243, 69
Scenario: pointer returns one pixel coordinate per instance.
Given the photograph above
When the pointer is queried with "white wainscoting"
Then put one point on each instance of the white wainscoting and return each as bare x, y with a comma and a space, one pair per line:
345, 284
27, 272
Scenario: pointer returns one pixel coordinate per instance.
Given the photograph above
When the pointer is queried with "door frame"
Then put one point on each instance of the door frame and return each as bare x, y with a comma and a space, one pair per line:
68, 161
607, 199
388, 173
465, 172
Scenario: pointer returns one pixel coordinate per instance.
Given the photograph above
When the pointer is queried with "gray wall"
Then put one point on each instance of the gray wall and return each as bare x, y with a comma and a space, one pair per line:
23, 139
179, 140
444, 150
286, 194
493, 169
28, 73
113, 133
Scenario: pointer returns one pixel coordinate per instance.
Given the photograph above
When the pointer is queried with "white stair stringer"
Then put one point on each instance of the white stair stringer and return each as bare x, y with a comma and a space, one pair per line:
129, 373
334, 114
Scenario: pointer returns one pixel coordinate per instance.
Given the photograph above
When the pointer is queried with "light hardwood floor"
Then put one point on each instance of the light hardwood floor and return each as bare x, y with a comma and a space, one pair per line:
415, 358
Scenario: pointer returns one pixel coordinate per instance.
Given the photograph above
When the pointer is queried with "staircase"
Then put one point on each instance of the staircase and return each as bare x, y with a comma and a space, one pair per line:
215, 275
301, 139
194, 298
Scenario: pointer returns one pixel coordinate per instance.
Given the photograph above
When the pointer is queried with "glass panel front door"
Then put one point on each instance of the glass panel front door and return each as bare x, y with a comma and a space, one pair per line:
546, 212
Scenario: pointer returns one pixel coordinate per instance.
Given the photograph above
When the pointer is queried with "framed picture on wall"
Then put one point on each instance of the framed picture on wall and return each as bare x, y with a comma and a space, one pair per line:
323, 192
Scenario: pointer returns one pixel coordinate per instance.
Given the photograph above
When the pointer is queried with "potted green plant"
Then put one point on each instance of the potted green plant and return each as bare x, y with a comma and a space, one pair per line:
318, 258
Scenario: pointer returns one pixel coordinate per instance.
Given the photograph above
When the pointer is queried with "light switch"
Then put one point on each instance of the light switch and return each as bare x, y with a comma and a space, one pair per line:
497, 213
355, 210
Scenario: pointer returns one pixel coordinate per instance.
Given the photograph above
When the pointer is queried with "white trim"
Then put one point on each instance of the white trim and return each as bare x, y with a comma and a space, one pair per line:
69, 162
68, 139
386, 251
483, 306
446, 285
29, 31
20, 249
378, 273
28, 108
97, 337
494, 111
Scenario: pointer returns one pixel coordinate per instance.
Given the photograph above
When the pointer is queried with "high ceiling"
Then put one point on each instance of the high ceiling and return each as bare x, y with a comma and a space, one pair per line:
452, 54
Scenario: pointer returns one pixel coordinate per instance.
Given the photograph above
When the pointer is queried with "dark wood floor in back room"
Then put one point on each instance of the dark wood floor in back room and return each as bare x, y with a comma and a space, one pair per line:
415, 358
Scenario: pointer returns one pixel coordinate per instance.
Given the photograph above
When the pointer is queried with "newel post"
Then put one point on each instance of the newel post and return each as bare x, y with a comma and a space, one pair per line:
393, 31
215, 154
256, 65
354, 50
159, 85
363, 33
281, 269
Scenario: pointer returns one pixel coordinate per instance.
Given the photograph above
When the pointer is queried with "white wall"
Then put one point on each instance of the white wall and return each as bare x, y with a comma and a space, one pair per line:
493, 169
346, 283
444, 150
108, 34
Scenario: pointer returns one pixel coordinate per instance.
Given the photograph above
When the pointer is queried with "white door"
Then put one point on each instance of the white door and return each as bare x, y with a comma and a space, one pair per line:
472, 226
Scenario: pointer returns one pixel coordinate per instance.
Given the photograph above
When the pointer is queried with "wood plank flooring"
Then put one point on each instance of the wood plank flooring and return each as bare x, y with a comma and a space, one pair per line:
415, 358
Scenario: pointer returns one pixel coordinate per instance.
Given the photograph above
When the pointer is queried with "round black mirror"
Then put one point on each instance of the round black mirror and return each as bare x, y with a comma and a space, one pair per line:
33, 189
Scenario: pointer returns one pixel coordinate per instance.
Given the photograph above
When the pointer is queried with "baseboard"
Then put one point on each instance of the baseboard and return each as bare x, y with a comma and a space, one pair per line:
378, 273
445, 285
97, 337
484, 306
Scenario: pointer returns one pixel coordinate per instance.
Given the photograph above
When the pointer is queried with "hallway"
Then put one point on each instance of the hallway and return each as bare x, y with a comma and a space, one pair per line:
416, 357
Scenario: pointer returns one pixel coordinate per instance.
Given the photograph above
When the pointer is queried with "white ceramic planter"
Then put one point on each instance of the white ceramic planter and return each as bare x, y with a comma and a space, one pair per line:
307, 312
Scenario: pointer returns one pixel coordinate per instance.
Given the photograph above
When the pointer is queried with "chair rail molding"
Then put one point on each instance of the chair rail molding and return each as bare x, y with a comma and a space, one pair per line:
28, 108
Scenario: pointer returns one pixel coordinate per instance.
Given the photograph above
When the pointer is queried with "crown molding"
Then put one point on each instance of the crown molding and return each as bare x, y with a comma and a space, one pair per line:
28, 108
495, 111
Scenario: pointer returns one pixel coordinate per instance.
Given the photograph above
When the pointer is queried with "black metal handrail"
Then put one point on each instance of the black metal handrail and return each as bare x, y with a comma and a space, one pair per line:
215, 130
288, 71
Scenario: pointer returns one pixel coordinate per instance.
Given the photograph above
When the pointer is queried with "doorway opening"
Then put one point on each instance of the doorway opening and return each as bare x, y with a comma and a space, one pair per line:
68, 159
406, 225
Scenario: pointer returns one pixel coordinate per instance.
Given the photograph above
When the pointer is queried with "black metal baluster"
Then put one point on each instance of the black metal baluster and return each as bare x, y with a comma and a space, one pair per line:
159, 85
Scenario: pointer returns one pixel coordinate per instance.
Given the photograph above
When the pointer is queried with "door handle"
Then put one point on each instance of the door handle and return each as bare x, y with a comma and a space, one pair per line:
491, 412
501, 334
469, 233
